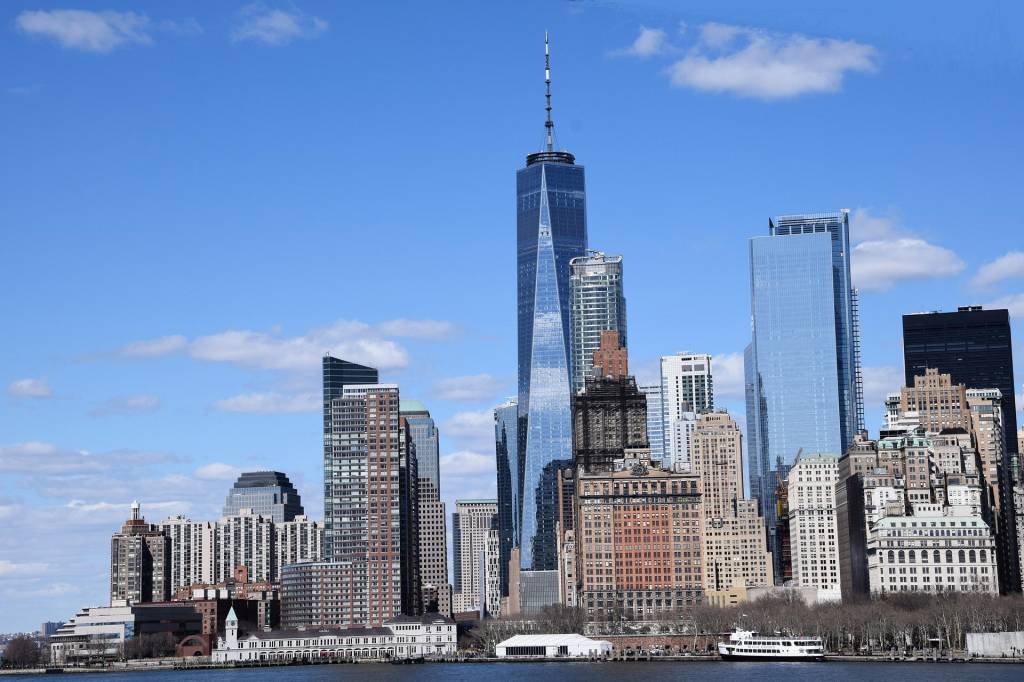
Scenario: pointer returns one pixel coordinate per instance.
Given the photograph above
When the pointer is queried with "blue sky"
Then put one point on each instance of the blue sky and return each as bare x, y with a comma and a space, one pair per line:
199, 199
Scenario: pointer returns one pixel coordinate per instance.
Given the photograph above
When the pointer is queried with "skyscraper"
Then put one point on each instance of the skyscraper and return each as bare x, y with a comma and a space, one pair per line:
472, 522
551, 231
687, 389
802, 368
433, 539
974, 347
609, 415
510, 491
598, 305
139, 562
655, 421
267, 493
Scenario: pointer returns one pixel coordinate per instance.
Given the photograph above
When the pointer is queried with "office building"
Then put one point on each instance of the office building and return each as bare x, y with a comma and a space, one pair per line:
812, 524
687, 389
609, 415
472, 521
802, 367
655, 421
974, 346
98, 633
139, 568
936, 401
735, 553
267, 493
598, 305
551, 231
509, 480
433, 537
638, 540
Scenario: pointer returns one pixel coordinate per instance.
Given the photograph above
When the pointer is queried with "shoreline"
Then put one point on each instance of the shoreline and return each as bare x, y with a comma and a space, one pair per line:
178, 666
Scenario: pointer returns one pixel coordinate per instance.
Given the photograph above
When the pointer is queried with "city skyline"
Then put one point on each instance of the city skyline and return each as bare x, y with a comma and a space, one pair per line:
175, 357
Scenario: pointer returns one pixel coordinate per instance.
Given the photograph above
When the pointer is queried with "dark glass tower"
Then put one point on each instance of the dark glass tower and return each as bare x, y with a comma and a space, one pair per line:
551, 231
974, 347
268, 493
506, 449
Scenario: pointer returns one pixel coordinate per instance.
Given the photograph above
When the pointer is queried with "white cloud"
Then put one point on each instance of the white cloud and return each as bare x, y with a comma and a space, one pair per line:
84, 30
880, 265
727, 373
466, 463
30, 388
471, 430
271, 403
259, 23
128, 404
878, 383
472, 388
218, 471
886, 253
431, 330
51, 590
1009, 266
752, 62
164, 345
10, 569
1014, 303
650, 42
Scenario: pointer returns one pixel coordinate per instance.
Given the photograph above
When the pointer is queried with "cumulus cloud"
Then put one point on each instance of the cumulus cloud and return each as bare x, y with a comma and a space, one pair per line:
84, 30
753, 62
472, 388
271, 403
217, 471
431, 330
165, 345
1014, 303
879, 382
650, 42
39, 458
1009, 266
47, 591
274, 27
30, 388
471, 430
465, 463
887, 254
10, 569
727, 374
128, 404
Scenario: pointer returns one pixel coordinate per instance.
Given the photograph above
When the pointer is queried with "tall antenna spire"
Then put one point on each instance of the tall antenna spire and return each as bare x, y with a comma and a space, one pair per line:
548, 124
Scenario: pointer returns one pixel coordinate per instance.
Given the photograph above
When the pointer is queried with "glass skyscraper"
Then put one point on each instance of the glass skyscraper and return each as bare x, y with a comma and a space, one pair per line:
268, 493
802, 366
425, 438
510, 491
551, 231
598, 305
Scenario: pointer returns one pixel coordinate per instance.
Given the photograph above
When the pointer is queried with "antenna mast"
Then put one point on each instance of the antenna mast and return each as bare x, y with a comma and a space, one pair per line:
548, 124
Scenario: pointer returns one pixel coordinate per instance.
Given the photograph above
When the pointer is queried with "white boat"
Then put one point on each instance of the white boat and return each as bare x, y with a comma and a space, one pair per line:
744, 645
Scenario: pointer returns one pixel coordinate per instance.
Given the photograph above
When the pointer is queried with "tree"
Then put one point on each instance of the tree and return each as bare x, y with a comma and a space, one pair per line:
22, 652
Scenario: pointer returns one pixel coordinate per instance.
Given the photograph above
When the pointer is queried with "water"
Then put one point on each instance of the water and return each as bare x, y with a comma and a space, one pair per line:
580, 672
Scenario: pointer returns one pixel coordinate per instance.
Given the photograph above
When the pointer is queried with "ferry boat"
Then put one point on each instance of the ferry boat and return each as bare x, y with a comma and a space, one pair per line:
744, 645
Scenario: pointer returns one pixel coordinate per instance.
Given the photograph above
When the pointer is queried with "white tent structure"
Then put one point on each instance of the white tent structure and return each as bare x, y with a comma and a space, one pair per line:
552, 646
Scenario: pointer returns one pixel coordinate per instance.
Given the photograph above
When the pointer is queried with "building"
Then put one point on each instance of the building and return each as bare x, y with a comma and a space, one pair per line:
935, 401
597, 305
296, 541
267, 493
687, 389
371, 510
638, 540
609, 415
257, 603
553, 646
655, 421
910, 492
193, 551
139, 566
472, 522
402, 637
433, 535
611, 359
49, 628
246, 539
551, 230
733, 533
98, 633
509, 480
974, 346
812, 524
802, 367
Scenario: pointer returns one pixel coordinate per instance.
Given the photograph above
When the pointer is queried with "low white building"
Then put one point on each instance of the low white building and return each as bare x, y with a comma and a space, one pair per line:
553, 646
401, 637
94, 633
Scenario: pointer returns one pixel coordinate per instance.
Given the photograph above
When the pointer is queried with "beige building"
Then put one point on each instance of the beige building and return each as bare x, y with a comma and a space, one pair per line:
433, 550
471, 523
812, 524
735, 546
139, 562
938, 402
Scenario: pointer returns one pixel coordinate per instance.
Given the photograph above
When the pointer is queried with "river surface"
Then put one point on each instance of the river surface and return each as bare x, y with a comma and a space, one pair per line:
580, 672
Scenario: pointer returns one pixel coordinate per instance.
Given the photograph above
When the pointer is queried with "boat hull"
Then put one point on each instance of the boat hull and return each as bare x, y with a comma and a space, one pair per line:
769, 659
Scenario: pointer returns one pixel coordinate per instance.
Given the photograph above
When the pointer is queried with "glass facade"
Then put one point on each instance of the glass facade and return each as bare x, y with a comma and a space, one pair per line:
598, 304
425, 438
655, 422
802, 375
506, 448
551, 231
268, 493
